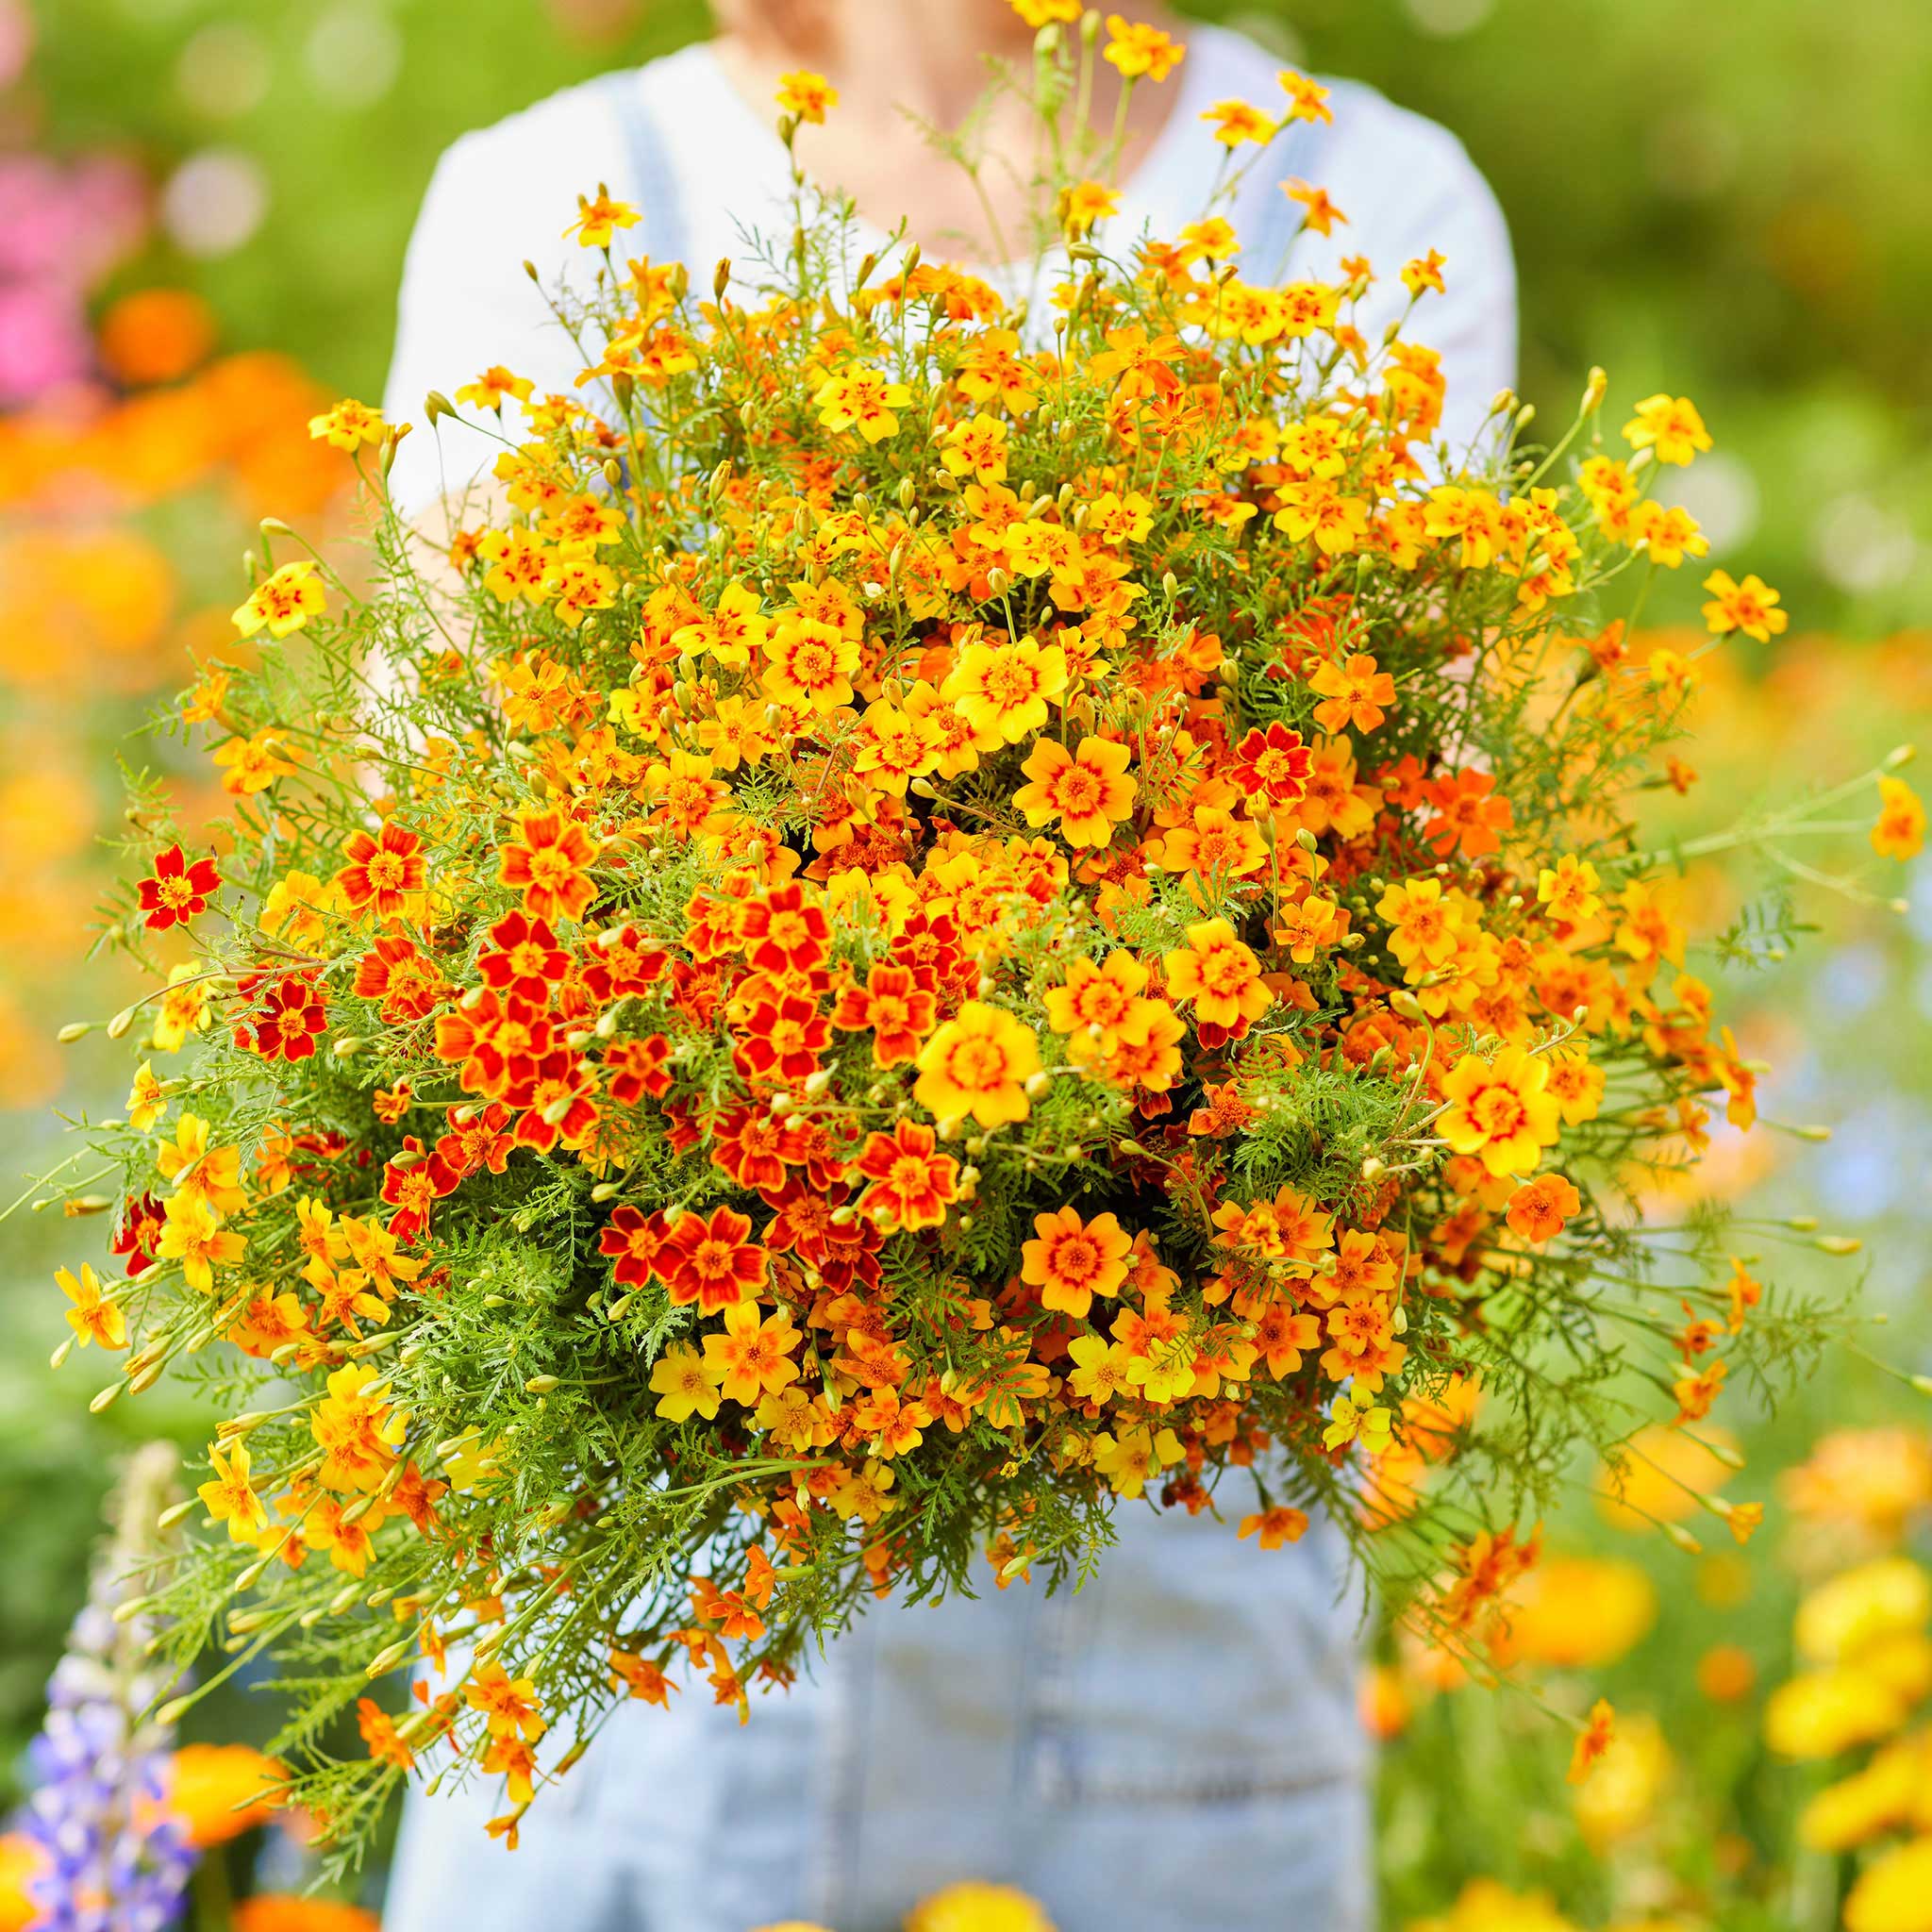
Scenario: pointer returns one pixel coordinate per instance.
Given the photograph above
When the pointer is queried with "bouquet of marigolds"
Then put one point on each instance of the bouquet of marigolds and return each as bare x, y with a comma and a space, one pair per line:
935, 918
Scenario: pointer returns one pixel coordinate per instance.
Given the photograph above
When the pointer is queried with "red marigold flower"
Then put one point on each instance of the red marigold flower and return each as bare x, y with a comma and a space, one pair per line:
622, 965
286, 1024
784, 1038
931, 946
412, 1183
635, 1067
1274, 762
635, 1239
910, 1180
138, 1233
528, 960
384, 870
559, 1096
549, 866
755, 1149
177, 891
477, 1137
782, 933
710, 1262
899, 1011
1467, 814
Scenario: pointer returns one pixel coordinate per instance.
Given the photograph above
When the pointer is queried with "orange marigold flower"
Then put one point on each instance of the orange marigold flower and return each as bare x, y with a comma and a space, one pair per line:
893, 1007
1275, 1527
1900, 832
1539, 1208
1592, 1741
1469, 814
549, 865
806, 96
978, 1063
1136, 51
1357, 692
1071, 1260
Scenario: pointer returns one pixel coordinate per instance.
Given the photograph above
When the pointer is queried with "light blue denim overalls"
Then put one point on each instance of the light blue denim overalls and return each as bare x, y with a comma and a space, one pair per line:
1175, 1746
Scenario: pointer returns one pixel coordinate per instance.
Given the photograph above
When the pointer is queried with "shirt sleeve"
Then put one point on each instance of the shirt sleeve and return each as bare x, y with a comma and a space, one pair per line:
497, 199
1421, 192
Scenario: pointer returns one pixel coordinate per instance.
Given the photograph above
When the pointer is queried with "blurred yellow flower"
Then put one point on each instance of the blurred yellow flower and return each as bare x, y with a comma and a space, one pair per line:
1896, 1893
1577, 1611
973, 1907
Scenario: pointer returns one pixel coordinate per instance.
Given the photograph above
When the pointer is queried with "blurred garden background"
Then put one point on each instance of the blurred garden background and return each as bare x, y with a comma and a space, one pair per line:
203, 209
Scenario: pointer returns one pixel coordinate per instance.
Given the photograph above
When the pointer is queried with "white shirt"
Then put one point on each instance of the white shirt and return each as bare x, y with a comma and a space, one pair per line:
717, 174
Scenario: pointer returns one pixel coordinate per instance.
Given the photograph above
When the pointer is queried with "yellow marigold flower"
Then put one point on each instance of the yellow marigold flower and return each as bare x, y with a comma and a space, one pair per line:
283, 602
1876, 1799
861, 399
811, 664
1750, 607
1003, 690
1130, 1460
1039, 13
1500, 1110
808, 96
1424, 275
1900, 831
229, 1496
976, 1907
357, 1428
1087, 790
348, 426
1236, 122
193, 1234
1570, 890
1219, 973
92, 1317
751, 1357
977, 448
1821, 1713
978, 1063
298, 907
492, 386
146, 1101
1306, 99
1085, 204
1669, 425
1138, 51
599, 218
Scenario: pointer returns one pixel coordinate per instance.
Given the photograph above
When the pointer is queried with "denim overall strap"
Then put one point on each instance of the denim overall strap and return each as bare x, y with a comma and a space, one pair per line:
651, 184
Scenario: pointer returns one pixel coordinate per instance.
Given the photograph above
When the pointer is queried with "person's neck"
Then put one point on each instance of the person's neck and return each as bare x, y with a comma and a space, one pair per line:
889, 59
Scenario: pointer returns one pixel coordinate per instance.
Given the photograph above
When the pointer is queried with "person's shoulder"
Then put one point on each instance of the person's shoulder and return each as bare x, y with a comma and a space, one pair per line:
575, 126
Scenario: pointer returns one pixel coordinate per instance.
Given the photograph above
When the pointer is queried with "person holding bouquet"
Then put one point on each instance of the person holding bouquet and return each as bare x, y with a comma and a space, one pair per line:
1175, 1744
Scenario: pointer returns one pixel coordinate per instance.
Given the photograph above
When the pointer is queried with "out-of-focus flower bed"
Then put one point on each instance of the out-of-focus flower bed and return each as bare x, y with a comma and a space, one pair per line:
1750, 1682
